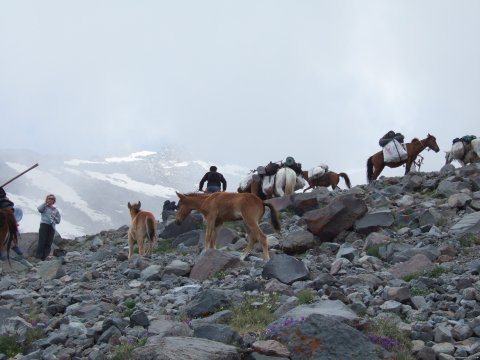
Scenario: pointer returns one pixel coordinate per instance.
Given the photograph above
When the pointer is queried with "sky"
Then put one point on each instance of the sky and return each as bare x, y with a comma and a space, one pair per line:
239, 82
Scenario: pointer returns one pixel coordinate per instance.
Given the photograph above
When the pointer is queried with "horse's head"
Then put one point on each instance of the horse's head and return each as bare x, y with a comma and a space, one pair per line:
431, 143
134, 208
183, 208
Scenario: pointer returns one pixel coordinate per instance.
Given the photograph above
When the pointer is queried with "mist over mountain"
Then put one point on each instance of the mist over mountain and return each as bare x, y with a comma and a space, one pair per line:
92, 195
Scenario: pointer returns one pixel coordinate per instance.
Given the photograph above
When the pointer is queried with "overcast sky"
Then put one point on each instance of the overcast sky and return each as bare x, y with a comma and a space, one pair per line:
239, 82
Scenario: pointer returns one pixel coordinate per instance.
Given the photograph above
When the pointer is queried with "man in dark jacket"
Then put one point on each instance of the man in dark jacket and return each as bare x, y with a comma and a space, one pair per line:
213, 179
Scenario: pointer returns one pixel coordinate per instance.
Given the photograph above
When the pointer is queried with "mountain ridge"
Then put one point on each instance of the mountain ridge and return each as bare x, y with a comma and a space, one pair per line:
92, 195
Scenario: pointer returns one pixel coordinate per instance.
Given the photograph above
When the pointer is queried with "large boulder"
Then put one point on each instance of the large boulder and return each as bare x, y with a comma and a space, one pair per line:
338, 216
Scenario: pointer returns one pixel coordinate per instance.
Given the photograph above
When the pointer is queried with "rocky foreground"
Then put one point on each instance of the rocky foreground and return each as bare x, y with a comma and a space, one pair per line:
384, 271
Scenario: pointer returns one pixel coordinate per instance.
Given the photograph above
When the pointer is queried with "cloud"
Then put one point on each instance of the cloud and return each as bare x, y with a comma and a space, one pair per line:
241, 83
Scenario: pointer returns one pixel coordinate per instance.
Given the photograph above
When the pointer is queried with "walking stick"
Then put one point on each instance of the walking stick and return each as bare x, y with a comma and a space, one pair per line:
16, 177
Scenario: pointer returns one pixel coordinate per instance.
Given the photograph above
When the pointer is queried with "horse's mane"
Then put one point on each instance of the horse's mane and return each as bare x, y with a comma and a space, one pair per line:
415, 140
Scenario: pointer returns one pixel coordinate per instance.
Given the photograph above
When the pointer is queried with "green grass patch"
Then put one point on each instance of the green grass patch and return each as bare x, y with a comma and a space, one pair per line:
434, 273
306, 296
469, 240
219, 275
165, 246
124, 351
254, 313
416, 291
130, 305
10, 347
387, 335
374, 250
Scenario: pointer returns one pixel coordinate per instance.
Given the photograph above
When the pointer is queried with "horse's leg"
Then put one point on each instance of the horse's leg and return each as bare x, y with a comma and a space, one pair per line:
141, 243
131, 243
249, 247
408, 165
210, 232
377, 171
255, 233
308, 188
334, 180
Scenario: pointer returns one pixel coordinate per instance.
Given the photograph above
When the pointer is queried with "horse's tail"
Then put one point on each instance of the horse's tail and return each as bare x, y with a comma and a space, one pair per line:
150, 227
273, 216
369, 170
346, 178
150, 231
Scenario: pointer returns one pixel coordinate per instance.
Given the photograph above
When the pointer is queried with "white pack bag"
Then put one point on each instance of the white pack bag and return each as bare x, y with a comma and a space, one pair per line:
267, 185
476, 146
458, 150
317, 171
394, 152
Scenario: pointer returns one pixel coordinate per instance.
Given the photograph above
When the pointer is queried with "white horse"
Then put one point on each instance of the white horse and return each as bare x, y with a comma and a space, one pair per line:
286, 182
471, 154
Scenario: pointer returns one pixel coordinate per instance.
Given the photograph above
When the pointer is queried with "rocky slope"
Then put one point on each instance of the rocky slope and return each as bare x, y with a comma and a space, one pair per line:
402, 252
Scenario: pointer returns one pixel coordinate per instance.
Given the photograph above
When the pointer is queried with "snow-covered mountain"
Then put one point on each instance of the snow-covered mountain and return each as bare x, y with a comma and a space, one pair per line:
92, 195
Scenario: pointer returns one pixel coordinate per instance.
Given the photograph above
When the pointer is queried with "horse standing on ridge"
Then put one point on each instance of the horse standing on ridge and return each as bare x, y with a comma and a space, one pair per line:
471, 154
376, 162
225, 206
143, 230
330, 178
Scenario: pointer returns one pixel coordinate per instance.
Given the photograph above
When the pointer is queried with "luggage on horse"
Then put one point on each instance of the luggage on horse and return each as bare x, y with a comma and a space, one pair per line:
394, 152
458, 150
268, 184
468, 138
389, 136
292, 164
317, 171
271, 168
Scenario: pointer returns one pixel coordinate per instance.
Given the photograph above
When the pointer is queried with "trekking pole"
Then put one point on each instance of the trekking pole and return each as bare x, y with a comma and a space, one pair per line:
16, 177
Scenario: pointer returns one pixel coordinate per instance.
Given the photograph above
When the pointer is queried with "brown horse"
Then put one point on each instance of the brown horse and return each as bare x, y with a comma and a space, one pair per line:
143, 228
330, 178
8, 230
376, 163
225, 206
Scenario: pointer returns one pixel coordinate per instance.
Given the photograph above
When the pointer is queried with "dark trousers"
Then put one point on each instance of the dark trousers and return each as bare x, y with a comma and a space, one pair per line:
45, 240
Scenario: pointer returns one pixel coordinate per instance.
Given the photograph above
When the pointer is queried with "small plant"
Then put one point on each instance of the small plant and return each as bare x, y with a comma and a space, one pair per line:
410, 277
386, 334
283, 324
165, 246
374, 251
435, 272
130, 305
254, 313
33, 335
416, 291
469, 240
305, 296
219, 275
9, 346
124, 351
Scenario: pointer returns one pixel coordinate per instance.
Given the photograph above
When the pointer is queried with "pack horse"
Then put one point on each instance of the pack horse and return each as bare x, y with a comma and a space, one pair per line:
376, 162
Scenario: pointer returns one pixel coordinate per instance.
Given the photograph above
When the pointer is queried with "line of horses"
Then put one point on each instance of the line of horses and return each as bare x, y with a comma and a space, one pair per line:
249, 204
